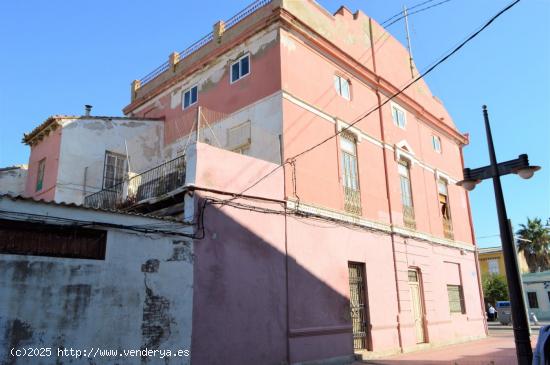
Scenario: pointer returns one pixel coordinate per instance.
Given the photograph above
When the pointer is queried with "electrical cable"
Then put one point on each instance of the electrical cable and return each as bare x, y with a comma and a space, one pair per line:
415, 12
420, 76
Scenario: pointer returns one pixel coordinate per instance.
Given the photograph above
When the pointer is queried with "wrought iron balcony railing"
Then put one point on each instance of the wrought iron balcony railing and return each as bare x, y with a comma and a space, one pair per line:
152, 183
408, 217
352, 201
448, 228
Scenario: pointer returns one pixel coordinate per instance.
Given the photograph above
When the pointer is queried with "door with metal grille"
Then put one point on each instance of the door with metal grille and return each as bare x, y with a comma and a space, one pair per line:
358, 304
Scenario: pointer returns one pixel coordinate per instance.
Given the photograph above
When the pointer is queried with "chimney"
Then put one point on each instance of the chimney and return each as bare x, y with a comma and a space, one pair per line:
87, 110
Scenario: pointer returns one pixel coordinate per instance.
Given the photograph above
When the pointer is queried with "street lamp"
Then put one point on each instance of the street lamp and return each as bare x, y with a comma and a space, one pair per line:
472, 177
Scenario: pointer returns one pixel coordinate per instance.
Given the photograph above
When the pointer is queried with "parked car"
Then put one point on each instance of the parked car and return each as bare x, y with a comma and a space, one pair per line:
504, 312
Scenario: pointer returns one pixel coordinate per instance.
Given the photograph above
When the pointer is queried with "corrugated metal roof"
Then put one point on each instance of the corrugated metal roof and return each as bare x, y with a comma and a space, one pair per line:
80, 206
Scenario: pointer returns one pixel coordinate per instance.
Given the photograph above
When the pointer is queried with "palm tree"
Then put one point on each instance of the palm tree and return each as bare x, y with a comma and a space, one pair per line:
535, 244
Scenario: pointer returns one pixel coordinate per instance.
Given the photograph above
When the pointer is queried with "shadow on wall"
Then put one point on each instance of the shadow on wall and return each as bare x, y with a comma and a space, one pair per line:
240, 296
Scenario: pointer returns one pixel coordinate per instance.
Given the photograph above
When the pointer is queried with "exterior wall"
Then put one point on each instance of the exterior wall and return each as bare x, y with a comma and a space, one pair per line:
13, 180
143, 139
215, 91
48, 148
239, 311
539, 283
313, 111
75, 303
265, 117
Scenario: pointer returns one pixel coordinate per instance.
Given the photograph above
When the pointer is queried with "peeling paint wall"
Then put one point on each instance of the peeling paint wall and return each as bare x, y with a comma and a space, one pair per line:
12, 180
139, 297
265, 117
83, 147
215, 91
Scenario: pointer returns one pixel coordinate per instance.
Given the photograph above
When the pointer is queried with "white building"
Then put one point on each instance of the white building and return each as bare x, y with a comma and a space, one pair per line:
537, 293
91, 280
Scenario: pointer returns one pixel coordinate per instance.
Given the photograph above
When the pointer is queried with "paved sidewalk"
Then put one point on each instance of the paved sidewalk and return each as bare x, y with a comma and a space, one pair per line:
497, 349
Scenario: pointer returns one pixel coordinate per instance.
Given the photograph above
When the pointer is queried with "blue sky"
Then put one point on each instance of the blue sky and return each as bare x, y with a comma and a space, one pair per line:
59, 55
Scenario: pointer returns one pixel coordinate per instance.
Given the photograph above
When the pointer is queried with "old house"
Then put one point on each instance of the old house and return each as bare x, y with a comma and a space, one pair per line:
326, 217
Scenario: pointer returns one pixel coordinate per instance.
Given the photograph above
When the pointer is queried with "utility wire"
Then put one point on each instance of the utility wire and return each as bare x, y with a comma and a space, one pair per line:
401, 13
422, 75
415, 12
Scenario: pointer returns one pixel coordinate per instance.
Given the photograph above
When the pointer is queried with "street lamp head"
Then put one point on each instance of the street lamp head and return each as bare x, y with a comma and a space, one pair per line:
468, 184
527, 172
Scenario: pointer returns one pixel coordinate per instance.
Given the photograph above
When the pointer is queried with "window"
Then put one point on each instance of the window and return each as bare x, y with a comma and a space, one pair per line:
190, 97
493, 266
352, 199
240, 68
114, 169
40, 174
239, 138
398, 115
406, 194
38, 239
444, 208
532, 298
436, 143
342, 87
456, 298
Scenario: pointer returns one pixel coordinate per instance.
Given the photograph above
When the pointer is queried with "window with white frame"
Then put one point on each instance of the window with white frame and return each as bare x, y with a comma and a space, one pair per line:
114, 169
190, 96
493, 266
342, 87
240, 68
436, 143
398, 115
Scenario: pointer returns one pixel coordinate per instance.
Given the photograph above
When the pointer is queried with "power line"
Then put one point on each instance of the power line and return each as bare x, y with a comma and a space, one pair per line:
401, 13
422, 75
415, 12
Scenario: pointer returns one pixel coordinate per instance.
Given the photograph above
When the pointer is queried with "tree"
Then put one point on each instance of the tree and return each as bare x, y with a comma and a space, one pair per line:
494, 288
534, 241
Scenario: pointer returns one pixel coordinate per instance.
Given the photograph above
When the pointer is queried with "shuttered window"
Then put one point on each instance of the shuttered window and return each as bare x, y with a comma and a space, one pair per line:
37, 239
456, 299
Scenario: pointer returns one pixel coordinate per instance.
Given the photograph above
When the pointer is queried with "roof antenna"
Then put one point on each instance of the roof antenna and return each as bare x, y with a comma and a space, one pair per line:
406, 16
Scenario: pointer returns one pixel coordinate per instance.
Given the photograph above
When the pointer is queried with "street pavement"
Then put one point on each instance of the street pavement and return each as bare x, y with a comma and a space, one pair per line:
497, 349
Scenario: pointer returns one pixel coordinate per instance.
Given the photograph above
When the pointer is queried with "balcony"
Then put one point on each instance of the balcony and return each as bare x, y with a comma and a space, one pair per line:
352, 201
408, 217
153, 183
448, 228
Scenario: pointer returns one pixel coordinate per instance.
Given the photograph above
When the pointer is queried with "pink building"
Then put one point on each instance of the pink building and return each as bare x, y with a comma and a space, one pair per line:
316, 240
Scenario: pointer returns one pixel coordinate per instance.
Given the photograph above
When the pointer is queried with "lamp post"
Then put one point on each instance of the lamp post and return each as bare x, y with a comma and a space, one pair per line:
495, 170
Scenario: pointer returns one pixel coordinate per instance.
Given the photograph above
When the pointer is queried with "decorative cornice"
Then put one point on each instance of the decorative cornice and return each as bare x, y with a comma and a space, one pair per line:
377, 226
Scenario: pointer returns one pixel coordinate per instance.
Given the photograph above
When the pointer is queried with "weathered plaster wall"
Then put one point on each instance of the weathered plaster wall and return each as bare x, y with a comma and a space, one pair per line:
48, 148
239, 311
442, 327
84, 144
215, 92
313, 111
13, 180
139, 296
320, 321
265, 117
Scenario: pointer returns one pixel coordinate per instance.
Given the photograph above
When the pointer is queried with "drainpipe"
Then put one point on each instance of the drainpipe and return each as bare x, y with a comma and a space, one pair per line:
381, 119
476, 253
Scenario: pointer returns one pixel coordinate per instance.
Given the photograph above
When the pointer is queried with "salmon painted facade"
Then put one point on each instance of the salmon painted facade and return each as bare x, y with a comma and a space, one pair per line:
329, 224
